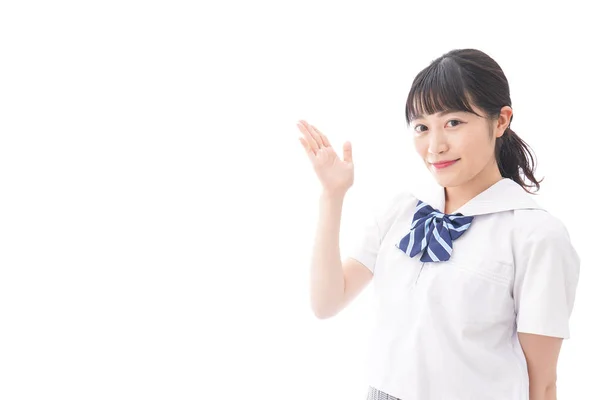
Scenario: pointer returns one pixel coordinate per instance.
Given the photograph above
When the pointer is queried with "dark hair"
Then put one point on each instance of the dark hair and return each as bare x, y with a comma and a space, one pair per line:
465, 77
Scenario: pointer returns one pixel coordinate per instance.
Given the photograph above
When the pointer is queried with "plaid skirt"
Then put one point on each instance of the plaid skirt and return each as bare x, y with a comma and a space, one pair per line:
375, 394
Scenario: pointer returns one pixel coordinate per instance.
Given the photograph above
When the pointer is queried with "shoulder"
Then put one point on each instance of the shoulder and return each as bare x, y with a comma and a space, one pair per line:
542, 238
385, 210
396, 204
539, 225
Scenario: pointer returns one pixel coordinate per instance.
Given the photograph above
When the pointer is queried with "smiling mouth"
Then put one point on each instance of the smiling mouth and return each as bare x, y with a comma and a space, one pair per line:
444, 164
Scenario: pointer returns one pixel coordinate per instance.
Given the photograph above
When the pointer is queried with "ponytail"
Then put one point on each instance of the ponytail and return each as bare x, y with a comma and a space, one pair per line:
515, 160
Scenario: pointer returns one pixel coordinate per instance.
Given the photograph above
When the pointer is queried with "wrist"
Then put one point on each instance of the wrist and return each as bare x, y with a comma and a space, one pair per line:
335, 196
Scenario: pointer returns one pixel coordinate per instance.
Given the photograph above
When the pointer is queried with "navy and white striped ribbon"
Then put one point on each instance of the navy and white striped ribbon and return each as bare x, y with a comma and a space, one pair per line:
432, 233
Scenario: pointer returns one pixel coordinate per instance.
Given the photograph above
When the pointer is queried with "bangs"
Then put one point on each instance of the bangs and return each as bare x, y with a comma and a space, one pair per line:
438, 88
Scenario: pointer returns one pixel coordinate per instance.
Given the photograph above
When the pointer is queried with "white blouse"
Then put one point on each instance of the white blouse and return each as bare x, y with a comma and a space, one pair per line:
448, 330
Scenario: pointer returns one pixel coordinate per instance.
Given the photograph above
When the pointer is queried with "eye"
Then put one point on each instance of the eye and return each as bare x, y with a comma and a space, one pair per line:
418, 131
417, 128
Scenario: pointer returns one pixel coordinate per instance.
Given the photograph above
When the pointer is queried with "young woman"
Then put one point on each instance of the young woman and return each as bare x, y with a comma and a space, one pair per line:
474, 282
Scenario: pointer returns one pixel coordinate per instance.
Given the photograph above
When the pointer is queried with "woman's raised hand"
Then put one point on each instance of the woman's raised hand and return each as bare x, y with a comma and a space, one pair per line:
336, 175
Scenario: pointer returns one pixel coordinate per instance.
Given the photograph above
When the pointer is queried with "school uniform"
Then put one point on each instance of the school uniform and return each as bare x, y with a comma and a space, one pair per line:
448, 309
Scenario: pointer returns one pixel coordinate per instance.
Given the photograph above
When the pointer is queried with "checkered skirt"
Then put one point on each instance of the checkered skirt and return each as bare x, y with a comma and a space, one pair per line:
375, 394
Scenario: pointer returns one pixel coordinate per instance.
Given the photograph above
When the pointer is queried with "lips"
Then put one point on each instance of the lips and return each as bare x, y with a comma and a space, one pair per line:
443, 164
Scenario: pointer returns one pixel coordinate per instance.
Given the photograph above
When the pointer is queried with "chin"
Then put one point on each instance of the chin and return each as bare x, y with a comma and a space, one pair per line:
447, 181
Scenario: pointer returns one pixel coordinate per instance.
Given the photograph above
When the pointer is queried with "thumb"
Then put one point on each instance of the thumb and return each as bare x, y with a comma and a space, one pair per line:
348, 152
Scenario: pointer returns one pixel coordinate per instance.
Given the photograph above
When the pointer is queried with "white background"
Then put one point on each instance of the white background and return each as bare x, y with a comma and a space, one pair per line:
157, 210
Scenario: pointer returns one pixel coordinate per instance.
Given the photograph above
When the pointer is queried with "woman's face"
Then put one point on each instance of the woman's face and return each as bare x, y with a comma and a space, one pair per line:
458, 146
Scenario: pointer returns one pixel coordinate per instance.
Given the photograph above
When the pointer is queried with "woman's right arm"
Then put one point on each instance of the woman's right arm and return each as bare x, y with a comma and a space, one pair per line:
333, 284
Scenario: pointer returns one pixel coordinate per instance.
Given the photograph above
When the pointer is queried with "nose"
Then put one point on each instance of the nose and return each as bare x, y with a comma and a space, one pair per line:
437, 142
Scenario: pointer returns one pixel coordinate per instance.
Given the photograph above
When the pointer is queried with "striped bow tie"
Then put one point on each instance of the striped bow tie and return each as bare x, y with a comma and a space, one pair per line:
432, 233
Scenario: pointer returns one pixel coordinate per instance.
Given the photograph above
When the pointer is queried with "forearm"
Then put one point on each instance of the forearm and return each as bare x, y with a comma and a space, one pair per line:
542, 392
327, 277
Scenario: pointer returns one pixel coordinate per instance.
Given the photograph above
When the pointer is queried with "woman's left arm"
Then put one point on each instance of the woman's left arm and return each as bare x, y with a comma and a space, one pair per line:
541, 353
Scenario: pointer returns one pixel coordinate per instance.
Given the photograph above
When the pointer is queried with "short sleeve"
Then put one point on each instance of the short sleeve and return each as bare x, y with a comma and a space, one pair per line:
546, 277
368, 241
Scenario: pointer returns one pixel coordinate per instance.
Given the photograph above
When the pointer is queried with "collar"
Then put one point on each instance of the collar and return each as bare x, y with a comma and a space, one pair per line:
504, 195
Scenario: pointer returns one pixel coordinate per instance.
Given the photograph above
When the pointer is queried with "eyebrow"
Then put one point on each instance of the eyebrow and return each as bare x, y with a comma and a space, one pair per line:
441, 114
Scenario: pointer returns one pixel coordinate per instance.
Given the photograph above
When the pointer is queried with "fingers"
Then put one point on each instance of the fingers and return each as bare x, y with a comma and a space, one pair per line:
348, 152
308, 136
314, 140
323, 137
315, 135
307, 148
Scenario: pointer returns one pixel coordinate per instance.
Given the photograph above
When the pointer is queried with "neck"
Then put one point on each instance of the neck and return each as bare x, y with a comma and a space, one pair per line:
458, 196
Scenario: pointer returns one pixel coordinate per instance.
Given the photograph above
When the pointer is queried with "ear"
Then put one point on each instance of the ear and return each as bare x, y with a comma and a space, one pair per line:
503, 121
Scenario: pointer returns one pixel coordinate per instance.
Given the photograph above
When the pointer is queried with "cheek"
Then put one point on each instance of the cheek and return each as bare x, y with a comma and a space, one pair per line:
479, 151
421, 147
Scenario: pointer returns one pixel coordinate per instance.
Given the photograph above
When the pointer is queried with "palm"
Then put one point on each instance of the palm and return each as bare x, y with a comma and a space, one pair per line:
334, 173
